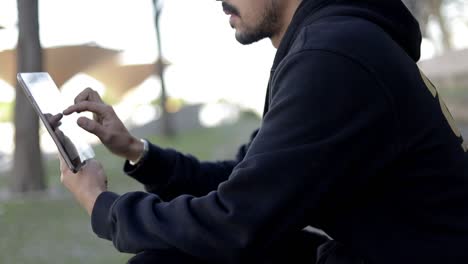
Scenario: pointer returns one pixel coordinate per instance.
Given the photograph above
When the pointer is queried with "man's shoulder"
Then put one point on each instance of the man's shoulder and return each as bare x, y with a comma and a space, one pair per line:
341, 34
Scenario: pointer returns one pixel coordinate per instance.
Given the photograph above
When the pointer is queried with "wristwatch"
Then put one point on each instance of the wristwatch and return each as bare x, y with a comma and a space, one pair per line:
143, 154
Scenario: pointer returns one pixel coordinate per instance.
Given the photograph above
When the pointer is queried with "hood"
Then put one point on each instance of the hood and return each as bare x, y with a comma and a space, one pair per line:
391, 15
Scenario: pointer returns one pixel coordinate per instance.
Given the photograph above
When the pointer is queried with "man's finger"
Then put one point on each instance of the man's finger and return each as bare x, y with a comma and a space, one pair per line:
88, 94
94, 107
92, 127
55, 120
83, 96
95, 97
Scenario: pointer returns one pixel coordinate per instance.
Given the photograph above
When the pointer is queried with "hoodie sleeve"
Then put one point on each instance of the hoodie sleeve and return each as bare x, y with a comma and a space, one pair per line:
328, 120
169, 173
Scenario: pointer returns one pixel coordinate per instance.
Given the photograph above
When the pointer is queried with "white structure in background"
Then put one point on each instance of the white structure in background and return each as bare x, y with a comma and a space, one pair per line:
135, 109
216, 114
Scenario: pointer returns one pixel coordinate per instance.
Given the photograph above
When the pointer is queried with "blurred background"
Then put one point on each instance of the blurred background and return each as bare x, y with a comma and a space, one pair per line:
174, 74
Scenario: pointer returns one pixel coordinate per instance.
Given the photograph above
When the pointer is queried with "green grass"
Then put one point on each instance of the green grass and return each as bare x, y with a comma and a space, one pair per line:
6, 111
54, 229
456, 99
454, 94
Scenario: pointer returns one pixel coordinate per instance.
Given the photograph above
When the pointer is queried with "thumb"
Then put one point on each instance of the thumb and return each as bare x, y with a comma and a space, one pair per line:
92, 127
62, 162
63, 167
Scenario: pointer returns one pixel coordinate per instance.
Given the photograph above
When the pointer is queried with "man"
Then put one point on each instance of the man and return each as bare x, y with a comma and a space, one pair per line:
354, 141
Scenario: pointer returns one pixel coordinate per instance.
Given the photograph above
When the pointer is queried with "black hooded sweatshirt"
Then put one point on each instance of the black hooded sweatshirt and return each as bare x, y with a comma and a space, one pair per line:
355, 141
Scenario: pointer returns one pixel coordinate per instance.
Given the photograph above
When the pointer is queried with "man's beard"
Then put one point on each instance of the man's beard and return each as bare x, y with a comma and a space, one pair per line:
267, 26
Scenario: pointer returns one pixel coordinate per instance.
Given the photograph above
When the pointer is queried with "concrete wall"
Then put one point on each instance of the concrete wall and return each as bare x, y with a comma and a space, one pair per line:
187, 118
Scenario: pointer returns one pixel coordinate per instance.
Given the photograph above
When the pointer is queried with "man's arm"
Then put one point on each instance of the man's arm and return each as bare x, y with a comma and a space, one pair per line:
169, 173
164, 171
329, 129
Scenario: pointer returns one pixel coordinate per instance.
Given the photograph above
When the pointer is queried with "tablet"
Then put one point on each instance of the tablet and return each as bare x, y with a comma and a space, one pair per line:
48, 102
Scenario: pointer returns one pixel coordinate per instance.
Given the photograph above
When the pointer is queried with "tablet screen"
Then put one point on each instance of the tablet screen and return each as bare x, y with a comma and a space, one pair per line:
48, 102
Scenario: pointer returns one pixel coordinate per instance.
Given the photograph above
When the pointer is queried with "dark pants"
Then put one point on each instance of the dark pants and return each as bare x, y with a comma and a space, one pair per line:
304, 247
163, 257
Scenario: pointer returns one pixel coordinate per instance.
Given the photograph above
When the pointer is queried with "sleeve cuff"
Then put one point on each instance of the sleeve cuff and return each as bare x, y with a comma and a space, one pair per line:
101, 217
154, 168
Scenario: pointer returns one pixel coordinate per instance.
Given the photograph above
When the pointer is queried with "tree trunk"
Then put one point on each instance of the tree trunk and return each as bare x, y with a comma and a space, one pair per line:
168, 129
423, 11
28, 172
437, 6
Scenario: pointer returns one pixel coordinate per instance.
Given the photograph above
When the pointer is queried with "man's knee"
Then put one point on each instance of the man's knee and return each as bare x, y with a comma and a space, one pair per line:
163, 257
333, 252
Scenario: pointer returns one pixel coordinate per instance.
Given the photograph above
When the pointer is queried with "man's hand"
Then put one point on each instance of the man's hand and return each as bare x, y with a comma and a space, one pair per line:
106, 125
87, 184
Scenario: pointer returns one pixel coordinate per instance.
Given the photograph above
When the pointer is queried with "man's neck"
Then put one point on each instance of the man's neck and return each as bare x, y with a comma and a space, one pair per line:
287, 14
